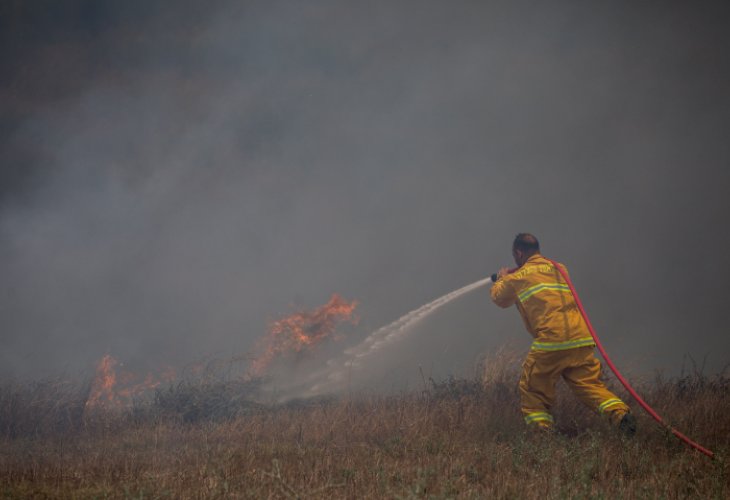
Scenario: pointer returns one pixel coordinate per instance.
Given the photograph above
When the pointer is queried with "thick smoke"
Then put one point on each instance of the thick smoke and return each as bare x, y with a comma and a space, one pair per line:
173, 177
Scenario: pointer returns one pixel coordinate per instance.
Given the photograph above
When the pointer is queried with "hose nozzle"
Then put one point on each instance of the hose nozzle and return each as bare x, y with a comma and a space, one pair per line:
509, 271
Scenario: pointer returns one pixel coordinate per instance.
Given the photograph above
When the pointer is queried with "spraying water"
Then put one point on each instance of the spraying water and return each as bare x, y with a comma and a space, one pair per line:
337, 369
400, 327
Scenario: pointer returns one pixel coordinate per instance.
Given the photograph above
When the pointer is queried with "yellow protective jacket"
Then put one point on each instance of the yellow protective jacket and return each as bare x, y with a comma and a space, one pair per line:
546, 305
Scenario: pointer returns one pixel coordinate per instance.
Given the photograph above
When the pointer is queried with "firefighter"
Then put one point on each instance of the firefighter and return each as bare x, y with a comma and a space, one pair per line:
563, 346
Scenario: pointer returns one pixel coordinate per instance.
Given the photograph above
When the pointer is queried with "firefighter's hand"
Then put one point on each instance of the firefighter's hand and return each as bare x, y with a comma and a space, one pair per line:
502, 273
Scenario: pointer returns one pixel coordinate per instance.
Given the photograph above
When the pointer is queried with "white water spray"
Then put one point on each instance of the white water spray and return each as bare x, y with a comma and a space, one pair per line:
337, 369
399, 328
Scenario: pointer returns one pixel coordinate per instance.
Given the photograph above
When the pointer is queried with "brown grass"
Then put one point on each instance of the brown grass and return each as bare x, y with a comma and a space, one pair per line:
457, 439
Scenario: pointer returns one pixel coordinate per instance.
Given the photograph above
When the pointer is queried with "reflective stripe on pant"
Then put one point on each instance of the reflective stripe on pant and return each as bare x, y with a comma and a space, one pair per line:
539, 417
581, 371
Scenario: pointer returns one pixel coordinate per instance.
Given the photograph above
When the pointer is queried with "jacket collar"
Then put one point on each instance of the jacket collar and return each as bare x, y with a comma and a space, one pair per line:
534, 259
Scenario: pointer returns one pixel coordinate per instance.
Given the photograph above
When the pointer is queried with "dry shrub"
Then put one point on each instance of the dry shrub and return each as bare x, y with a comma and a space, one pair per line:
502, 368
205, 401
41, 408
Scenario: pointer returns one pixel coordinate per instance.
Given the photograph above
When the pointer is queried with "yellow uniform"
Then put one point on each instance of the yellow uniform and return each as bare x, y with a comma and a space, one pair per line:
563, 345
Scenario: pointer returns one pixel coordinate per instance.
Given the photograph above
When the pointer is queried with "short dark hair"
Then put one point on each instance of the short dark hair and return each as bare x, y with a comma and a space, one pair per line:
525, 242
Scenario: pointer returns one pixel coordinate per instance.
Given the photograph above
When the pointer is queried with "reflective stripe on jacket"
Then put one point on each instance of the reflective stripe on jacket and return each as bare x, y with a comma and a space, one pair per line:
546, 305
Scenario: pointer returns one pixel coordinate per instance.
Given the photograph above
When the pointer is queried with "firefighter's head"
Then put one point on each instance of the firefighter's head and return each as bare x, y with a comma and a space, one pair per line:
524, 247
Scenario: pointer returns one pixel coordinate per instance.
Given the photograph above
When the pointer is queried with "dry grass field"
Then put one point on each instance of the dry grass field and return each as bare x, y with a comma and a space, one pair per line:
455, 439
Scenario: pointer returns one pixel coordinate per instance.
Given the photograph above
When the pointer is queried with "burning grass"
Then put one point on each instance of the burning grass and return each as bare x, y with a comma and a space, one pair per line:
302, 331
208, 437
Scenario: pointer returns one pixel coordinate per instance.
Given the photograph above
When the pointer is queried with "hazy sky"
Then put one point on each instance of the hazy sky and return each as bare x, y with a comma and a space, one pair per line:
176, 174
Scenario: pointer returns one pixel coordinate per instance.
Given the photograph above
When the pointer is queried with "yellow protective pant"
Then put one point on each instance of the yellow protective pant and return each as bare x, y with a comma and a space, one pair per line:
581, 371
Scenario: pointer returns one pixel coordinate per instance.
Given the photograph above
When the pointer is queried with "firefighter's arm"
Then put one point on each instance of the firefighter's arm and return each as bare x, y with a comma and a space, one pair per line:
503, 293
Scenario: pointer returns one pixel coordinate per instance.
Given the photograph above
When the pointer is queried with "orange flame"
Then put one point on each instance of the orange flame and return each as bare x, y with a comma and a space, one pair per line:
302, 330
110, 389
102, 388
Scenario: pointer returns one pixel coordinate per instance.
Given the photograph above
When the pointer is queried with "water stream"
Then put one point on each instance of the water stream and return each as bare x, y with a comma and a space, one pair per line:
336, 372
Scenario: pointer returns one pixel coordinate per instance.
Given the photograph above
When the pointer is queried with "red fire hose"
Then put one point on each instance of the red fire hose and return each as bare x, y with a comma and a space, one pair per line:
625, 383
